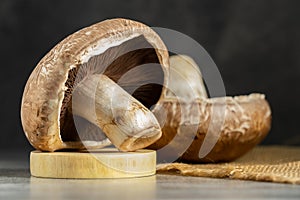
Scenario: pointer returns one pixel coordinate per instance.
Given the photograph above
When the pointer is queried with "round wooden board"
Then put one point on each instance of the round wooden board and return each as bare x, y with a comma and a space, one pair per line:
104, 163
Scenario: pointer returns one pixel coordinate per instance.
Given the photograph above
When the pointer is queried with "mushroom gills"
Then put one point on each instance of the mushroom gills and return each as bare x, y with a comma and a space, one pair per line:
133, 65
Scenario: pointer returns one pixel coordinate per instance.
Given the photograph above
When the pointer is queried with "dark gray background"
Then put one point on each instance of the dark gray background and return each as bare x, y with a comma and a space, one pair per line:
255, 44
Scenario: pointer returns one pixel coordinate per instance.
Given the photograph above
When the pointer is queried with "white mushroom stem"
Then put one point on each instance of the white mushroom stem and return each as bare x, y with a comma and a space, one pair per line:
126, 122
185, 80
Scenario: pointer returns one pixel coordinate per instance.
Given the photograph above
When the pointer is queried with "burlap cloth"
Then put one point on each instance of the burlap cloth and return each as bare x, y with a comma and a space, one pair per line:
264, 163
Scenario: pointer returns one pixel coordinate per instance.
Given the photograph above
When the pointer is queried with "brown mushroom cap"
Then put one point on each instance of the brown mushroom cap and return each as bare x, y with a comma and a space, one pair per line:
247, 121
111, 47
201, 129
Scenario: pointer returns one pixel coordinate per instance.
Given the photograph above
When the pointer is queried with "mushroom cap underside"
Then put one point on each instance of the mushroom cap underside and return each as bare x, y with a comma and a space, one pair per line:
46, 98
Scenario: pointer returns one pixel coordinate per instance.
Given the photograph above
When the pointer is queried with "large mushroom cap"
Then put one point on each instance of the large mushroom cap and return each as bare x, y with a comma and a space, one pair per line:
112, 47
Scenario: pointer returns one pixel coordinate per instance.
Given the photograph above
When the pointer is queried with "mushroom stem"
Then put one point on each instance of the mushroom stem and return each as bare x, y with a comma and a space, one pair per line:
185, 80
125, 121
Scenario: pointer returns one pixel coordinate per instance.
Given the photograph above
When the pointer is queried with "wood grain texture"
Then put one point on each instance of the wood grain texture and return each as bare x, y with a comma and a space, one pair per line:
105, 163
